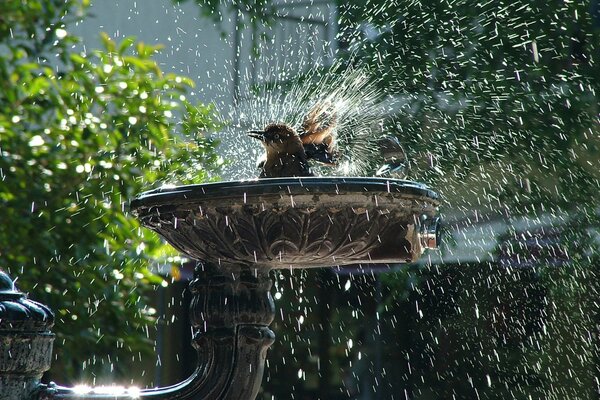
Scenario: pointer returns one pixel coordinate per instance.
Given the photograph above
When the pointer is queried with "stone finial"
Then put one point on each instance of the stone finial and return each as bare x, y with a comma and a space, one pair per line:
19, 313
25, 342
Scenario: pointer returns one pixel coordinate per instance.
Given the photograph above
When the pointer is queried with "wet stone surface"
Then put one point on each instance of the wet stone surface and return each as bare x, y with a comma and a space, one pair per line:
25, 341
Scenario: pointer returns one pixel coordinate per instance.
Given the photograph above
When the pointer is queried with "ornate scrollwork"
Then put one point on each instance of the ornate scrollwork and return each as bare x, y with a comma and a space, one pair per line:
278, 235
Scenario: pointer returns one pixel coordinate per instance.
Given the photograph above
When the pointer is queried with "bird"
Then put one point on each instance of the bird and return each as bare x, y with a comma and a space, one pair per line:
287, 151
394, 158
285, 154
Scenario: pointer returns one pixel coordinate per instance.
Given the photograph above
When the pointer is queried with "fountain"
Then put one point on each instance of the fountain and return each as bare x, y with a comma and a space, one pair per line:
238, 231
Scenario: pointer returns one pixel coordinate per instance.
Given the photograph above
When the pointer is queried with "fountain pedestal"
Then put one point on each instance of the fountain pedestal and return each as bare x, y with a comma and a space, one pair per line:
231, 310
241, 230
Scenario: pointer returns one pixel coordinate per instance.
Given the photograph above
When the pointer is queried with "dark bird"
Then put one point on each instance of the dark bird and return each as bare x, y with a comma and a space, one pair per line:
394, 158
287, 152
285, 155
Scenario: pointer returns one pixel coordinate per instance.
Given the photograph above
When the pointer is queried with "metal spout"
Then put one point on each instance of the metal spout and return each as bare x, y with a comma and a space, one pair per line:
430, 233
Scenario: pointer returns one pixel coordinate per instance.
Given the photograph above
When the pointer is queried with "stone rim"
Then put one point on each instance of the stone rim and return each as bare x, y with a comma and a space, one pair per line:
273, 186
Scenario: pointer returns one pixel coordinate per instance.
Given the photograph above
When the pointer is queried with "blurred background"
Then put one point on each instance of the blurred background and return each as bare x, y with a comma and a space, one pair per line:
496, 104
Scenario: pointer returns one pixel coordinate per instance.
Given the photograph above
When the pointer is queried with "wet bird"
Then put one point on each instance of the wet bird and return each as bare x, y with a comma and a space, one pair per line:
394, 158
288, 152
285, 155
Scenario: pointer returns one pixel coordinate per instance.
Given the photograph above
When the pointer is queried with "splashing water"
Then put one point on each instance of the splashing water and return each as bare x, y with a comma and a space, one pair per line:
349, 93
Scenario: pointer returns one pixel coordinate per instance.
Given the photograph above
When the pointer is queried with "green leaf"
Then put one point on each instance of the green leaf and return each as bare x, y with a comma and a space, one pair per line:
77, 59
108, 43
126, 43
37, 85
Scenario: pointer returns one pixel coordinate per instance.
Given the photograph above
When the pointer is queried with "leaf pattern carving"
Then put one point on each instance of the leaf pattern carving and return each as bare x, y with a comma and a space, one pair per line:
283, 236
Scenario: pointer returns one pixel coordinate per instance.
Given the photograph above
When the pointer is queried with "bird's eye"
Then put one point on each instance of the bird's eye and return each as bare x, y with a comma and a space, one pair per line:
276, 136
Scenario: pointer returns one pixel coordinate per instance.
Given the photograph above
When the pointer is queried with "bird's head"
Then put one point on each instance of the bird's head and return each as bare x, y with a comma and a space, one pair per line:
279, 137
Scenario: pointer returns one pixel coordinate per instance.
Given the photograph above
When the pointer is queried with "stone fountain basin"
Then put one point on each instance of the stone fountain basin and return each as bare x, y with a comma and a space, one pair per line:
295, 222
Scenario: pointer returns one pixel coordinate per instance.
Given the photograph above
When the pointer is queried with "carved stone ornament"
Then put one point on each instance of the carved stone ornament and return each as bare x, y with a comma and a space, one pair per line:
295, 222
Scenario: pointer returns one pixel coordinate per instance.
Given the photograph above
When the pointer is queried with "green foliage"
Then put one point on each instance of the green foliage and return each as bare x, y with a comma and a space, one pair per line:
499, 111
503, 92
80, 135
500, 332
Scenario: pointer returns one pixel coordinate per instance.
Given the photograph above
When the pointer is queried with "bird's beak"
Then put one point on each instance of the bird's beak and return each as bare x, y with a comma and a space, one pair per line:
260, 135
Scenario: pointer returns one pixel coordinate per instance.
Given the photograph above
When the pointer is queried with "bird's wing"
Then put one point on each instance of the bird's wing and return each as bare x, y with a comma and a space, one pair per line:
318, 134
320, 153
383, 170
319, 131
260, 163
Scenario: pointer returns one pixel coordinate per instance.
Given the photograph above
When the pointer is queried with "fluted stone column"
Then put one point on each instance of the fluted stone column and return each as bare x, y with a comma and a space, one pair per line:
25, 342
231, 311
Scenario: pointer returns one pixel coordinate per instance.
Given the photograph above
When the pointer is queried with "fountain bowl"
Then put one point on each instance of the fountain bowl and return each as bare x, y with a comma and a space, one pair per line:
295, 222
